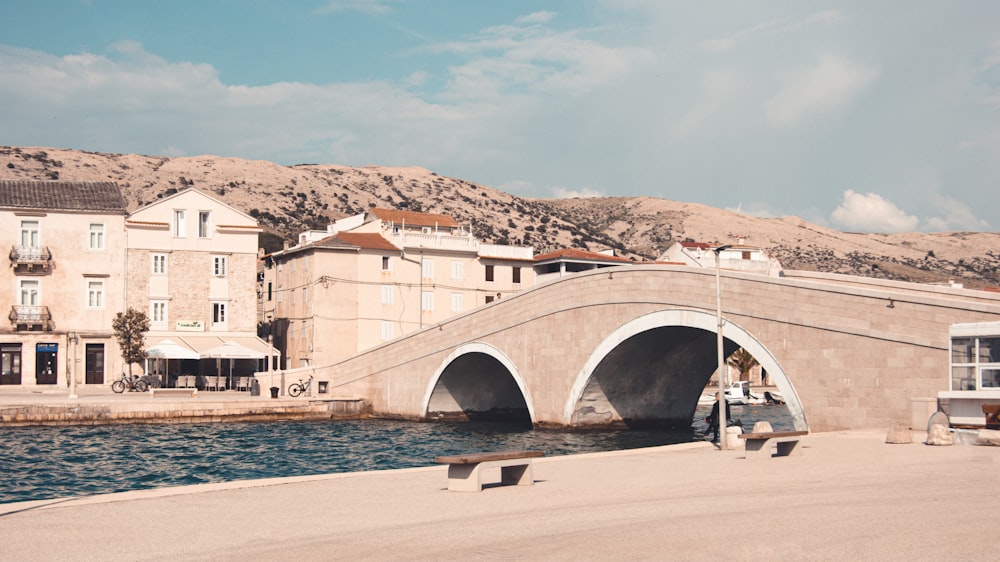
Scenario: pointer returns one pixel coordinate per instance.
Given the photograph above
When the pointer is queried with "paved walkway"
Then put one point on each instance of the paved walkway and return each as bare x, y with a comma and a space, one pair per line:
849, 496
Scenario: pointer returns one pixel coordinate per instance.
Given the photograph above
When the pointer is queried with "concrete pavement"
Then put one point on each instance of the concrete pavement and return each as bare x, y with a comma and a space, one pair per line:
849, 496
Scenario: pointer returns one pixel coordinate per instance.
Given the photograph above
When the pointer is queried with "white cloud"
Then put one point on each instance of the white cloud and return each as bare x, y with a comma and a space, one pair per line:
536, 60
870, 212
363, 6
537, 17
830, 83
586, 192
728, 42
956, 216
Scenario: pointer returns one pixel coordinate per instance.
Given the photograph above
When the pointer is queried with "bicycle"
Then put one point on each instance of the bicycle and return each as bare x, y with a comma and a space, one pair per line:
297, 388
133, 384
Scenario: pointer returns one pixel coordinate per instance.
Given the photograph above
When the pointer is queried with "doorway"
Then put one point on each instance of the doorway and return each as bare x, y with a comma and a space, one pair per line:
46, 363
95, 363
10, 358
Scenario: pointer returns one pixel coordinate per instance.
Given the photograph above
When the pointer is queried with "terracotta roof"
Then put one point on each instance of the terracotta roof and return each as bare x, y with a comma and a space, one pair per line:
575, 254
62, 195
366, 240
414, 218
699, 245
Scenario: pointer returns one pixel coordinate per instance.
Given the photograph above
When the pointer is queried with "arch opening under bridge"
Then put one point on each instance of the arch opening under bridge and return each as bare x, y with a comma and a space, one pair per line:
651, 371
478, 382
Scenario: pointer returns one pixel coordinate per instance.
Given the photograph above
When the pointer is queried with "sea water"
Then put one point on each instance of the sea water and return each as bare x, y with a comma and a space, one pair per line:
55, 462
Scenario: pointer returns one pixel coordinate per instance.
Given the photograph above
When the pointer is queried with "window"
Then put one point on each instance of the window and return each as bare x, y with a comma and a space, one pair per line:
30, 292
96, 236
386, 294
427, 301
305, 294
204, 223
456, 302
159, 264
516, 274
30, 234
219, 266
386, 334
95, 294
158, 312
385, 263
218, 314
489, 273
457, 270
427, 268
270, 290
489, 299
180, 228
975, 363
302, 330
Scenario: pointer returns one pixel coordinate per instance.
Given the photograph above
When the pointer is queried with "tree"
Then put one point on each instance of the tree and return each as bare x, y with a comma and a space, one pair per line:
130, 330
742, 361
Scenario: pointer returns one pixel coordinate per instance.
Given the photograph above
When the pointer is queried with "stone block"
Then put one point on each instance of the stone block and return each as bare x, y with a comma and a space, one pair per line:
899, 434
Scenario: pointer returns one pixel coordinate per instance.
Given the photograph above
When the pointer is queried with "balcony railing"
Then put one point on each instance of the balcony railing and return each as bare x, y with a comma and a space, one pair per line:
31, 259
25, 317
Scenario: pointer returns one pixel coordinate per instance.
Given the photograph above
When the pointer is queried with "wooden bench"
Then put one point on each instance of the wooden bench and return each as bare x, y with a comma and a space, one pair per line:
992, 413
758, 445
191, 392
466, 473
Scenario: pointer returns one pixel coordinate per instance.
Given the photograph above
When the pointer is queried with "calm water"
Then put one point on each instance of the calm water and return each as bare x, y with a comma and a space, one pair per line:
51, 462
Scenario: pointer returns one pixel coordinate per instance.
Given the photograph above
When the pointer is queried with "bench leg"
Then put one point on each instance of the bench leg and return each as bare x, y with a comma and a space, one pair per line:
519, 474
758, 449
464, 478
789, 448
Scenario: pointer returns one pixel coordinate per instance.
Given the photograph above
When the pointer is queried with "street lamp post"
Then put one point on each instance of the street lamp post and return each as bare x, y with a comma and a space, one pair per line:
723, 438
73, 340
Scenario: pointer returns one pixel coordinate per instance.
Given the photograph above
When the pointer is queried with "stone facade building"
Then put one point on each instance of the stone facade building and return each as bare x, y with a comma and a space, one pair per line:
64, 282
377, 276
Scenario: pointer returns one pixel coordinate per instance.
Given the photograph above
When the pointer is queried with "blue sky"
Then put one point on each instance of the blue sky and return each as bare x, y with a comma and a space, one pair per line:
863, 116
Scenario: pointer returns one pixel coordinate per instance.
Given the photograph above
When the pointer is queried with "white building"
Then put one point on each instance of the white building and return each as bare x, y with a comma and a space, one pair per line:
736, 257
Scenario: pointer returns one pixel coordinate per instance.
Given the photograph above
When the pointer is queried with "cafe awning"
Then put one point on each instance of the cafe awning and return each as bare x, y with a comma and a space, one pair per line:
227, 346
232, 350
169, 349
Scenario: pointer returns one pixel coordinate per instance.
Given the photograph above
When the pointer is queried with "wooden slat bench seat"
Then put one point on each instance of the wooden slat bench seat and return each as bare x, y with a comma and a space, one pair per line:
992, 413
468, 473
192, 392
758, 445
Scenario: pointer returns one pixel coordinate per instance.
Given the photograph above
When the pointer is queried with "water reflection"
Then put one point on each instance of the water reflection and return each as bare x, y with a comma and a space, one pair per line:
51, 462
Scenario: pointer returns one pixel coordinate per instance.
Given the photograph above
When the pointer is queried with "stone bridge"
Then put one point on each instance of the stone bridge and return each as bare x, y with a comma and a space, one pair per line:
635, 345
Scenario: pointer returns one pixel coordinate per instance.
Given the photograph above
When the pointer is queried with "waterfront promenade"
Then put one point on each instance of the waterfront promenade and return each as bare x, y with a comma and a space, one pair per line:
53, 406
849, 496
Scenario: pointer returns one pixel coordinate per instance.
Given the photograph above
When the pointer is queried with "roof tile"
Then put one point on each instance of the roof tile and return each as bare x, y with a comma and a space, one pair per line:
62, 195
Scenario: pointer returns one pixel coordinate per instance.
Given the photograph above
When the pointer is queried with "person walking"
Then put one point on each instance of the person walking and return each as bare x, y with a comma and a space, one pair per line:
713, 418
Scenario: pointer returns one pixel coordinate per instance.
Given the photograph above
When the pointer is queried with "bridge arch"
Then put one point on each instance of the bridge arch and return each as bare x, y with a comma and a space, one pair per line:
590, 400
477, 380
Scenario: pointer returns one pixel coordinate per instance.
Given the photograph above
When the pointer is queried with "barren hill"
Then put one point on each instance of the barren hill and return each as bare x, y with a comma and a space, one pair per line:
288, 199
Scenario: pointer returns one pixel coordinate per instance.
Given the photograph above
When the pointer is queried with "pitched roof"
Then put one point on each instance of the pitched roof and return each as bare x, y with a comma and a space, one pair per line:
62, 195
365, 240
414, 218
575, 254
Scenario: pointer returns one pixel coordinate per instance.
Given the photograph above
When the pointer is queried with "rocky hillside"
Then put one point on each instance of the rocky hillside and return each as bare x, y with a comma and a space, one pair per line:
289, 199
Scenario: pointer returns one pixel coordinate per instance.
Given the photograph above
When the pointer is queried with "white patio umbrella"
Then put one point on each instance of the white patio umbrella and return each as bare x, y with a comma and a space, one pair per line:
169, 349
232, 350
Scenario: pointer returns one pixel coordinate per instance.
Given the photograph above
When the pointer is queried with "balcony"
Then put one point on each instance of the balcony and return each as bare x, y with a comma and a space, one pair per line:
31, 260
31, 318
